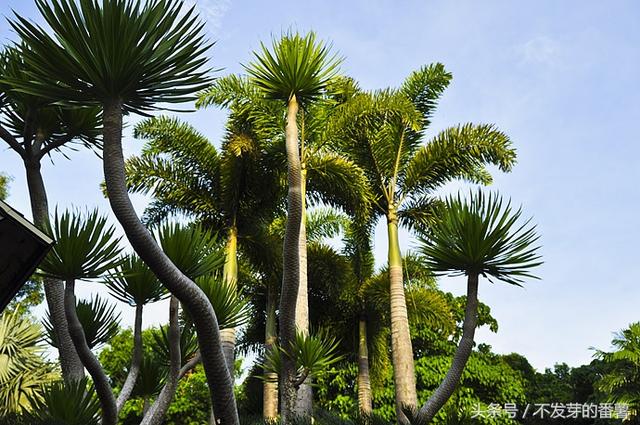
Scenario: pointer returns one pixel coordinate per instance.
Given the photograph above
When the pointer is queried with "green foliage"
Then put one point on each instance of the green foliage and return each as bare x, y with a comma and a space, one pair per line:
134, 283
157, 55
296, 65
85, 246
232, 310
194, 250
313, 354
622, 382
4, 186
24, 372
481, 236
73, 403
99, 322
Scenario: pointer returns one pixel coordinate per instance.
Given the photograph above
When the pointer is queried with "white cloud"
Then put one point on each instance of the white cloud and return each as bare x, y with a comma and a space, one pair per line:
540, 50
212, 11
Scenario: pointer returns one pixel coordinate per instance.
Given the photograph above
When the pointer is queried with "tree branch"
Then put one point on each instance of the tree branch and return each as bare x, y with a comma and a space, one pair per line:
136, 360
12, 142
54, 145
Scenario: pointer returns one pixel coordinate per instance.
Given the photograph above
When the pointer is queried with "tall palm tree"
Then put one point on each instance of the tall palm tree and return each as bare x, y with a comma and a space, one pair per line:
295, 71
34, 129
383, 133
158, 57
481, 236
231, 190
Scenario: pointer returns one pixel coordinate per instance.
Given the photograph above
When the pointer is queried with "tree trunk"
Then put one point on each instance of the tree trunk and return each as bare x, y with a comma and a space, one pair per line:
291, 265
177, 283
100, 379
402, 351
270, 386
460, 358
304, 399
230, 277
72, 368
136, 360
155, 415
364, 383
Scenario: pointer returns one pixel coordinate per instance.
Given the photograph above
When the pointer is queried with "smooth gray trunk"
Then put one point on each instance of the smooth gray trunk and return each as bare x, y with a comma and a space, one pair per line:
156, 413
191, 296
460, 358
100, 379
136, 360
72, 368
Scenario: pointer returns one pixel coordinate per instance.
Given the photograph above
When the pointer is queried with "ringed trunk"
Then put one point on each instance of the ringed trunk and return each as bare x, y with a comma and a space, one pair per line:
230, 277
270, 385
72, 368
402, 350
191, 296
460, 358
364, 382
291, 264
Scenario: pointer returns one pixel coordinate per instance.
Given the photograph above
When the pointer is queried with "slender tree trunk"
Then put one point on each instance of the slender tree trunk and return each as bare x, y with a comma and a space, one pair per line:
72, 368
460, 358
402, 351
136, 360
304, 400
270, 386
100, 379
155, 415
230, 277
182, 287
364, 382
145, 405
291, 265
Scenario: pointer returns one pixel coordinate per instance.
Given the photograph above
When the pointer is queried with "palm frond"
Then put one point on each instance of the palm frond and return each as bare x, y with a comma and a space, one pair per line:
482, 235
157, 55
134, 283
86, 246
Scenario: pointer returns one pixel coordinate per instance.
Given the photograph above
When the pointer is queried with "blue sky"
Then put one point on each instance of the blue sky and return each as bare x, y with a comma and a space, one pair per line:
561, 78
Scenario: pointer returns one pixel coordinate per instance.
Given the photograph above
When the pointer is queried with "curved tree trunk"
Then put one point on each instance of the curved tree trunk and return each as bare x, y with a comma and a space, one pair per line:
270, 385
136, 360
155, 415
460, 358
402, 350
291, 264
364, 383
72, 368
178, 284
304, 398
100, 379
230, 277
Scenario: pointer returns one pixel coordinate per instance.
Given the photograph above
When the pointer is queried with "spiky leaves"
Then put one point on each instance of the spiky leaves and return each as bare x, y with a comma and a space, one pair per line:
482, 236
86, 246
134, 283
313, 355
99, 321
296, 66
194, 250
138, 53
72, 403
24, 373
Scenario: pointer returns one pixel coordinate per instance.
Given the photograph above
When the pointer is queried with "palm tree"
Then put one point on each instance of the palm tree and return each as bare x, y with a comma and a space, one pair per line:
158, 57
230, 190
382, 132
24, 373
33, 128
135, 284
481, 236
621, 382
85, 249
